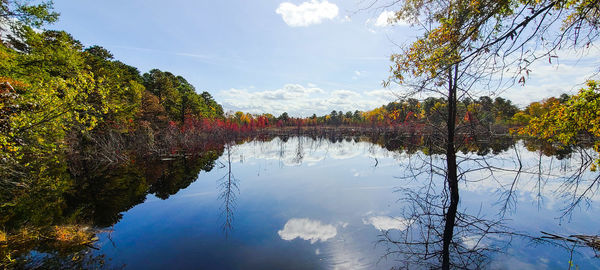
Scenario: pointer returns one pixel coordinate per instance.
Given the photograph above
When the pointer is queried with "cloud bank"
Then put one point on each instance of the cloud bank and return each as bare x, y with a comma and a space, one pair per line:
299, 100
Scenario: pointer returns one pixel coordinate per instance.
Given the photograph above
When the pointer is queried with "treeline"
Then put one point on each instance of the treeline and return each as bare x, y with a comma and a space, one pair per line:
431, 111
493, 114
490, 113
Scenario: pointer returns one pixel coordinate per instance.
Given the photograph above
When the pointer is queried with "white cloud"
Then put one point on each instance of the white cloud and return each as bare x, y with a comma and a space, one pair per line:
299, 100
385, 19
289, 92
384, 223
307, 229
307, 13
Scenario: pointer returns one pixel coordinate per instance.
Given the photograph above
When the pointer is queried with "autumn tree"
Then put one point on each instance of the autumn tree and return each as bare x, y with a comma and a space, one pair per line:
467, 44
571, 122
53, 91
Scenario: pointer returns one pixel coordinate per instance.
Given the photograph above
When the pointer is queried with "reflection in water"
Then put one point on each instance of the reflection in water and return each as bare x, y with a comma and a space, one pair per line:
476, 237
420, 242
438, 231
385, 223
503, 170
494, 165
572, 242
60, 219
228, 185
307, 229
299, 152
102, 196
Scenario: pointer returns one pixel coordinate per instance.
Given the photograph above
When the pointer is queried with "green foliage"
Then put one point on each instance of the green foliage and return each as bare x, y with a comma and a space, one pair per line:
26, 13
124, 82
569, 122
212, 108
51, 95
284, 117
179, 98
44, 55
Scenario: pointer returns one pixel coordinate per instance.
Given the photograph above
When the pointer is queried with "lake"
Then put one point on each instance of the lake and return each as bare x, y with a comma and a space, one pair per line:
342, 203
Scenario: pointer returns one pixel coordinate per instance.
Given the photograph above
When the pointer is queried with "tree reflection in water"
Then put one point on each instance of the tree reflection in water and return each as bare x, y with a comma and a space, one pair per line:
426, 203
476, 238
55, 224
228, 185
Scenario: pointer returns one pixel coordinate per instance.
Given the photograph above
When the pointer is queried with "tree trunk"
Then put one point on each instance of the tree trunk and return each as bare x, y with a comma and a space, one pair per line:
452, 176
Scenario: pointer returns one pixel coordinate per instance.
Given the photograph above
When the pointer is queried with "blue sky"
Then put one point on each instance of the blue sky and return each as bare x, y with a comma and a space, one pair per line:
299, 56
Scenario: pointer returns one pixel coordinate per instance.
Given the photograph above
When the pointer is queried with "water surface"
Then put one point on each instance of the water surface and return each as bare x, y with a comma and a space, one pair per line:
303, 203
316, 204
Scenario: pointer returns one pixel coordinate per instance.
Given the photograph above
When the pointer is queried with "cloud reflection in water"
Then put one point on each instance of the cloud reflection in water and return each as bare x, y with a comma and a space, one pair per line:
307, 229
385, 223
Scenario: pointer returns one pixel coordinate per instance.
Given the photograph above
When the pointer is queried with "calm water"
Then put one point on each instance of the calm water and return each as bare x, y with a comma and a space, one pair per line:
317, 204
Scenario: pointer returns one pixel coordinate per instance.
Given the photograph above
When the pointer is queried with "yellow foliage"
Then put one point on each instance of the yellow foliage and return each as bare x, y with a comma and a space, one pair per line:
566, 123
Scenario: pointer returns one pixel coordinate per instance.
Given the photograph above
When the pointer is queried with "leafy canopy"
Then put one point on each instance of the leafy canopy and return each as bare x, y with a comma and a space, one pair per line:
567, 123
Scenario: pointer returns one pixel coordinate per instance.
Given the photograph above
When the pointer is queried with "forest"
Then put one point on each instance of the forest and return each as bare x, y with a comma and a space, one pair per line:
65, 107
